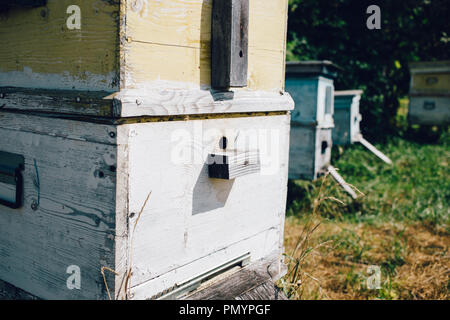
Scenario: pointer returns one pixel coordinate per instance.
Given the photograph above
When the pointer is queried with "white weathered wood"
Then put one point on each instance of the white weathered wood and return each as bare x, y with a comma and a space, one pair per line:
332, 170
90, 187
259, 246
189, 215
150, 101
374, 150
74, 220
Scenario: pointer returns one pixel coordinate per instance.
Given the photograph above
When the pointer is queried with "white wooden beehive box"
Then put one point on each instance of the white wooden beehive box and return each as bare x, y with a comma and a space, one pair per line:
105, 153
347, 118
310, 83
429, 99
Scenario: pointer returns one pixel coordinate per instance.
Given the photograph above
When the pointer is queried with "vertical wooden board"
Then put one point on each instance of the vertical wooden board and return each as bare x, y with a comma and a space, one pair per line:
74, 220
42, 52
188, 23
189, 215
229, 43
239, 43
262, 245
221, 46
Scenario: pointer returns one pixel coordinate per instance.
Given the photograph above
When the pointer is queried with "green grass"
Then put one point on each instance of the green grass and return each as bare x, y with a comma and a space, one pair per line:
415, 188
400, 224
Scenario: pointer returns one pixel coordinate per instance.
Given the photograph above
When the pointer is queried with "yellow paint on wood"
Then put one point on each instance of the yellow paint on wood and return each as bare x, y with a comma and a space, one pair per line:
432, 82
170, 41
36, 41
133, 43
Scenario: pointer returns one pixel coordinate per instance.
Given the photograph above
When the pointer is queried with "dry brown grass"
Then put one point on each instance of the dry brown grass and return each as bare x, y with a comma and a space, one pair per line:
414, 260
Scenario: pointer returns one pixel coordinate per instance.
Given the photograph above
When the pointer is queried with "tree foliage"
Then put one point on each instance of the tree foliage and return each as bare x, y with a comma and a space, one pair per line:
375, 61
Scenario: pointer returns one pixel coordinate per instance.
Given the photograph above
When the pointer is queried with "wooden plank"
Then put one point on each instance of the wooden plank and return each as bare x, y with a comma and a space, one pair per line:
265, 291
342, 182
153, 102
253, 282
262, 245
193, 213
61, 128
374, 150
10, 292
156, 66
68, 216
57, 101
43, 53
229, 43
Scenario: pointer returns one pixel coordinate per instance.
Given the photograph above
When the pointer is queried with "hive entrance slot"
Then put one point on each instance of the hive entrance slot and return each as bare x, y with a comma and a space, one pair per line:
324, 147
184, 288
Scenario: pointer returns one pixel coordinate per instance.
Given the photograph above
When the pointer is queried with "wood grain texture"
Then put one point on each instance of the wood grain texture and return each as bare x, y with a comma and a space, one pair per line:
68, 216
10, 292
229, 43
194, 216
171, 41
334, 173
151, 102
57, 101
43, 53
253, 282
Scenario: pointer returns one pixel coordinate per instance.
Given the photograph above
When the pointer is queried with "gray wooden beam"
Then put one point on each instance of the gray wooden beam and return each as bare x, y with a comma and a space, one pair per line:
229, 43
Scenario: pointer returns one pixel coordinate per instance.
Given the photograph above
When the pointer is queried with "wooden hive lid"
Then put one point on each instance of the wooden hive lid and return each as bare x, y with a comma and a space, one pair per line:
312, 68
430, 67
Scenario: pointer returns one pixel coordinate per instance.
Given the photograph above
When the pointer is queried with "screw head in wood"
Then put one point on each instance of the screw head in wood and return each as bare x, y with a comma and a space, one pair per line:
34, 205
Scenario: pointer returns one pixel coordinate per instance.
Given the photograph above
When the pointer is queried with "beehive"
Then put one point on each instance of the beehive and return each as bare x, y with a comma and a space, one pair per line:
109, 128
429, 93
347, 118
310, 84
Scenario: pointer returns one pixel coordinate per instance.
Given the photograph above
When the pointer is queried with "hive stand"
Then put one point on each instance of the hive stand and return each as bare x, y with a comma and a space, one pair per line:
429, 95
106, 133
347, 121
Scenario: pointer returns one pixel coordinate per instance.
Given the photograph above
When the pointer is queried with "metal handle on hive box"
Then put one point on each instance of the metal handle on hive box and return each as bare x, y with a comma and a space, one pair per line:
11, 180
